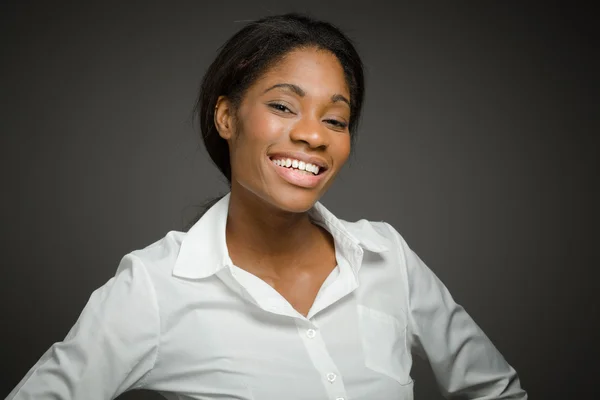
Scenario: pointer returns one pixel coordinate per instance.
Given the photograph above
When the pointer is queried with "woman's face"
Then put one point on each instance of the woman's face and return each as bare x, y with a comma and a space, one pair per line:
297, 113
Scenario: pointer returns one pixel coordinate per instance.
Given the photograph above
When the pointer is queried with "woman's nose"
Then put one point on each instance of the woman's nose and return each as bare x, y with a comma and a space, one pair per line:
311, 131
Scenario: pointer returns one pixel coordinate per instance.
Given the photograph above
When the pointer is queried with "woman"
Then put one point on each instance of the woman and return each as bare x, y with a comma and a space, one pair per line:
269, 294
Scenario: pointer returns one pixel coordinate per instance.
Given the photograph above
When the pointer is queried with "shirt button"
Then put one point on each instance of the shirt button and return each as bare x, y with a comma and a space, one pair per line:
331, 377
311, 333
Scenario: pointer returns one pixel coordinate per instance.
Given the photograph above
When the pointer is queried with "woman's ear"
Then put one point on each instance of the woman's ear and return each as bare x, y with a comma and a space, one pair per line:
224, 117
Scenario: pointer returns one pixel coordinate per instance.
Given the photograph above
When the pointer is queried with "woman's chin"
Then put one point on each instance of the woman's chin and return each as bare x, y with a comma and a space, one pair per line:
297, 203
284, 198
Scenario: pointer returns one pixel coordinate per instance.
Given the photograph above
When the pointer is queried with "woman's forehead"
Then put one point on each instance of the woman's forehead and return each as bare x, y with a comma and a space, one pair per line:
314, 70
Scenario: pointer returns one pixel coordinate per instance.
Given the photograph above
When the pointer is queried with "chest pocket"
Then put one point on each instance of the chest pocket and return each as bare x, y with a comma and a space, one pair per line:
383, 338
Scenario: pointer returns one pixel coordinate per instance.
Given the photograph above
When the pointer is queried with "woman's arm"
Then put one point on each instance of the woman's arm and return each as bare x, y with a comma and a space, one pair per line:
111, 347
465, 362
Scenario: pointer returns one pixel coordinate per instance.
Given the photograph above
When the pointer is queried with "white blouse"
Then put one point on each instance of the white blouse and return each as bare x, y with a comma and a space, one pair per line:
179, 318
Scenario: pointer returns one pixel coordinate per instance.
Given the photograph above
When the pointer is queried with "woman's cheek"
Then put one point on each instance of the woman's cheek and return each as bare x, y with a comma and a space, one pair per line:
266, 125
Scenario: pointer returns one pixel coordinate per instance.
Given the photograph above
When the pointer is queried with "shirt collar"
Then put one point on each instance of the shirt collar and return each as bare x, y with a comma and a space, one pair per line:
203, 250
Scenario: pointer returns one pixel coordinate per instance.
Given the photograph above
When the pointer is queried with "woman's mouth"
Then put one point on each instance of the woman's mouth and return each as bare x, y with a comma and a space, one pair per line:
298, 172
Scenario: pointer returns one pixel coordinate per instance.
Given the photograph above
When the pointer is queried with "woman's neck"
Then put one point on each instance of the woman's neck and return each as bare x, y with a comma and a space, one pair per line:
258, 230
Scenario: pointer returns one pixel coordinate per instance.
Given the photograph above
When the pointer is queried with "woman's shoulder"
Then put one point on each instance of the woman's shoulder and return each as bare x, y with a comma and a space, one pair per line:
158, 258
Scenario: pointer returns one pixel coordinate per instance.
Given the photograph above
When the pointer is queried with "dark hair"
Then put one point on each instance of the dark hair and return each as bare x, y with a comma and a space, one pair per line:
255, 48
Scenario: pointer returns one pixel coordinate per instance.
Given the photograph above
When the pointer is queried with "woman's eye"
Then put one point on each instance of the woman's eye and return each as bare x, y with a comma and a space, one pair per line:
280, 107
336, 123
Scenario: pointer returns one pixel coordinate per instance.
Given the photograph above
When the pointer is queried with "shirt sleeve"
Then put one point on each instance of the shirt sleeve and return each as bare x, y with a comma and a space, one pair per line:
464, 361
111, 347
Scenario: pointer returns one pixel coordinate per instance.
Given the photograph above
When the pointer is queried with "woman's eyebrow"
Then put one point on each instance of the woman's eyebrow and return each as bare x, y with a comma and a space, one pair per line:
298, 90
338, 97
290, 86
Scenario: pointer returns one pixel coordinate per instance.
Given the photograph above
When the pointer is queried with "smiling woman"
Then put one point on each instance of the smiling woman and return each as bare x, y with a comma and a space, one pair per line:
297, 111
269, 294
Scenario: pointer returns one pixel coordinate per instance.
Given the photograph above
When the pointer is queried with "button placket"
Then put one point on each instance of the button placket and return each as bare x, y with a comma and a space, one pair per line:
317, 350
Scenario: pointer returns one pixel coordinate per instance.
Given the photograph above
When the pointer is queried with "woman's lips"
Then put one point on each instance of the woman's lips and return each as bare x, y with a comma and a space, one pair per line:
297, 177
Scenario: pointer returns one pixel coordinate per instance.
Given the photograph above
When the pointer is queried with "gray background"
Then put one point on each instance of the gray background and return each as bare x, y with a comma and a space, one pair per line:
477, 144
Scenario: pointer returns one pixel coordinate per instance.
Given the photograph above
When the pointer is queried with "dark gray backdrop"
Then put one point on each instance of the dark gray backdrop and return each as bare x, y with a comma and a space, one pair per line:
477, 144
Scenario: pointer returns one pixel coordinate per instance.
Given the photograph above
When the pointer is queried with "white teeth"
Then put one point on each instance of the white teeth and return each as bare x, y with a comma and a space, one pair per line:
301, 165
